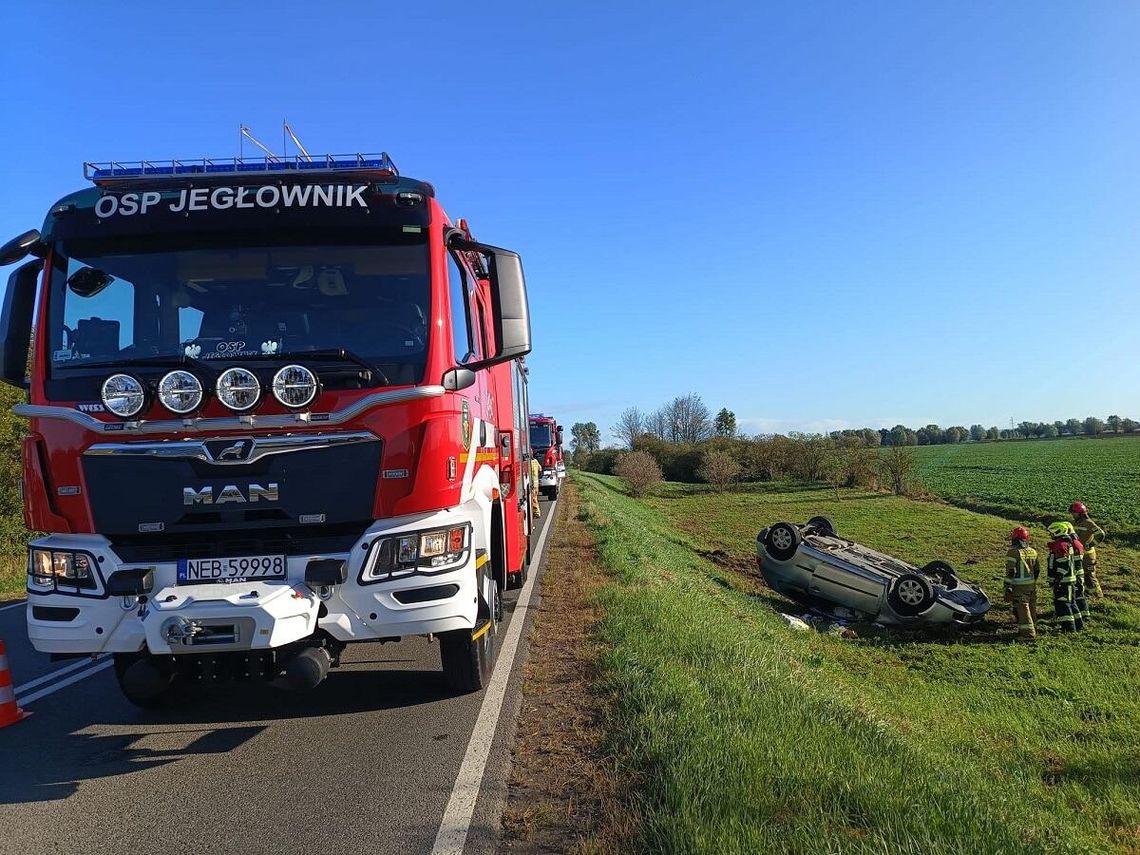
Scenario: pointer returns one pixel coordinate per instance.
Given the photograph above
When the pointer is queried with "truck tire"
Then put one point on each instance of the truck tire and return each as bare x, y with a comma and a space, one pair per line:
553, 492
468, 656
911, 595
782, 541
823, 525
146, 681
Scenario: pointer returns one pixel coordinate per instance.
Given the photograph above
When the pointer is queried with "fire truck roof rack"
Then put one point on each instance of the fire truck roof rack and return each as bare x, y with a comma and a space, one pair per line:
115, 171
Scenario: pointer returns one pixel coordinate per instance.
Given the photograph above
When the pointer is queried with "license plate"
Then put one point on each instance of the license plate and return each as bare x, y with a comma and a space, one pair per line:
194, 570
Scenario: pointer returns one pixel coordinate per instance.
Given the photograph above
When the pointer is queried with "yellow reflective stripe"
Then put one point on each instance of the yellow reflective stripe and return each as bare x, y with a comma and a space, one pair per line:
1013, 581
480, 560
479, 633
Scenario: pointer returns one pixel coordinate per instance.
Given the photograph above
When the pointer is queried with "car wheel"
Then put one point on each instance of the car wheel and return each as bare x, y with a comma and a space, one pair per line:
146, 681
943, 572
911, 595
782, 541
822, 525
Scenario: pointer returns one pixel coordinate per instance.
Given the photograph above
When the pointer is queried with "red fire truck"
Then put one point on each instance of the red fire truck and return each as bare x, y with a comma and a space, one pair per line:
276, 406
546, 441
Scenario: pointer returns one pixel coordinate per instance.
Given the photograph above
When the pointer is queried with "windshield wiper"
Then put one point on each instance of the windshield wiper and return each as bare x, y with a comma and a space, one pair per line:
156, 361
329, 354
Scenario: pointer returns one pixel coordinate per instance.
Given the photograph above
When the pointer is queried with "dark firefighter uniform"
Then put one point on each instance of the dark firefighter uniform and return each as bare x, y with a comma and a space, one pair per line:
1063, 569
1021, 571
1090, 534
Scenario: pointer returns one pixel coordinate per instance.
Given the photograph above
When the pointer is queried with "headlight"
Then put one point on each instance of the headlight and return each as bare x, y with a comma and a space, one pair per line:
180, 392
418, 552
123, 395
295, 386
54, 568
238, 389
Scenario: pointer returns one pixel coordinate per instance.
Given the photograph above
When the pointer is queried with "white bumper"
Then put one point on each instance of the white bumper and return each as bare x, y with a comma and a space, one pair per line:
259, 614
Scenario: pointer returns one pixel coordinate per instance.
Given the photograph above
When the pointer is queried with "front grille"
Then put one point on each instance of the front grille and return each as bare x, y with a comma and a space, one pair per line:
138, 549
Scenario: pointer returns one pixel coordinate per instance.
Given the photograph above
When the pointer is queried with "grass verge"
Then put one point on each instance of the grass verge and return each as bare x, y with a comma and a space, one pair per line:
748, 737
13, 577
562, 795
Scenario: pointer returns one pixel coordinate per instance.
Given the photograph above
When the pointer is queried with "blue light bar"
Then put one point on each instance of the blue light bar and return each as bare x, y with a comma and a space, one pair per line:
116, 171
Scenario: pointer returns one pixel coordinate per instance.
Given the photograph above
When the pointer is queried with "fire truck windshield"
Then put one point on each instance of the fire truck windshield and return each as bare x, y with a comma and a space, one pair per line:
240, 302
540, 437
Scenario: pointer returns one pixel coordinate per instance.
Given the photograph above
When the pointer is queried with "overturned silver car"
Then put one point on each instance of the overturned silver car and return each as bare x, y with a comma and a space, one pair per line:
813, 566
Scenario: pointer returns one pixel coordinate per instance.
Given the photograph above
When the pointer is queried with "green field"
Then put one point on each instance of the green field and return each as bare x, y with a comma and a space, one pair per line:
741, 735
1039, 478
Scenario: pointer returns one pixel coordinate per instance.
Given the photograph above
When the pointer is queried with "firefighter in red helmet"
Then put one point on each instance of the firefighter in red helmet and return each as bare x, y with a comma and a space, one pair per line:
1090, 535
1021, 571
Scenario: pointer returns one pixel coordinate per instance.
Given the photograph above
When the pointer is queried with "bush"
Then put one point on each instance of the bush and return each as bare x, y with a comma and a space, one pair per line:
639, 471
718, 468
897, 465
601, 461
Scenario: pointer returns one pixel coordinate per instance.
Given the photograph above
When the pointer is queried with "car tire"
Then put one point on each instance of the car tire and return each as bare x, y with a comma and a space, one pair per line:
911, 595
782, 541
942, 571
552, 493
823, 525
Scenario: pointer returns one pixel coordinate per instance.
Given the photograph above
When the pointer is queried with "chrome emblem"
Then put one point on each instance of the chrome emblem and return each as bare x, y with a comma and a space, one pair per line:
234, 451
230, 493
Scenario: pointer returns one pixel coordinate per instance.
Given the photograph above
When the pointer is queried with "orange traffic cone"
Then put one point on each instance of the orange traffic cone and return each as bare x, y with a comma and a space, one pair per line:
10, 712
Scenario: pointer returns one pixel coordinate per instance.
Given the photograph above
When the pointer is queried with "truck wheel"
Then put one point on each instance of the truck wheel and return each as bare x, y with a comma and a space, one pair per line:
553, 492
468, 656
146, 681
911, 595
822, 525
782, 541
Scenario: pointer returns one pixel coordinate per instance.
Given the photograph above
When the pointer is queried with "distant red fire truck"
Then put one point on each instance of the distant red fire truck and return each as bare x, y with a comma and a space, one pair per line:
546, 444
276, 406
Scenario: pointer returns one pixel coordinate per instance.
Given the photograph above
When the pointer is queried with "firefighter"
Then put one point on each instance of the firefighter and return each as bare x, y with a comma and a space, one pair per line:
1064, 565
1090, 535
1021, 571
535, 473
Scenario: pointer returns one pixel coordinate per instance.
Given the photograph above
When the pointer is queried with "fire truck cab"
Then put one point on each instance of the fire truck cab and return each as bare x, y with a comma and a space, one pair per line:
275, 407
546, 442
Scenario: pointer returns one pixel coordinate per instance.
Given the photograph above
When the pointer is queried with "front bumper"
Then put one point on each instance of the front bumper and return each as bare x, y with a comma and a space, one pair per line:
258, 614
548, 478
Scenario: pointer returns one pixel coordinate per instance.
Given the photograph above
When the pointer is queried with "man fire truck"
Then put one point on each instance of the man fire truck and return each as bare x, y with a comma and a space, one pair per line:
546, 443
276, 406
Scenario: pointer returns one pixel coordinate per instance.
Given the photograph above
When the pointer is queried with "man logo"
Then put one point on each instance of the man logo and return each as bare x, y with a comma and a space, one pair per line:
229, 451
230, 493
234, 452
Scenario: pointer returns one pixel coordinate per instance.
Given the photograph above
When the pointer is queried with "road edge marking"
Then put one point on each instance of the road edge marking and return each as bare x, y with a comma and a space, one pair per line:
7, 606
58, 672
456, 822
63, 684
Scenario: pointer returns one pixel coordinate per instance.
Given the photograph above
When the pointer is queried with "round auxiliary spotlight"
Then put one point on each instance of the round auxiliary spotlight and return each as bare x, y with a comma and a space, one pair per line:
295, 386
180, 392
123, 395
238, 389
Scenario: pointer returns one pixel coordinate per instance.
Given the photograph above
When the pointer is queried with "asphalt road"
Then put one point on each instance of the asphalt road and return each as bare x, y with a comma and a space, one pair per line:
367, 762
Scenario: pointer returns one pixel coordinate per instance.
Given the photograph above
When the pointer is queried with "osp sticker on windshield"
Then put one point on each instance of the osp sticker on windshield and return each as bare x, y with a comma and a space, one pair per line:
223, 198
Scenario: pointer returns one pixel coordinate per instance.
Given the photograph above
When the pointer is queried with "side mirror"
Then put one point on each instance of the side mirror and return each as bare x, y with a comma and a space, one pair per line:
16, 323
18, 247
510, 309
560, 434
458, 378
89, 281
131, 583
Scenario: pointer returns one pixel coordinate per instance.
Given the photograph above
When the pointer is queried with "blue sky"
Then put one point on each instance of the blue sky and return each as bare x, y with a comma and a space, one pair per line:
817, 215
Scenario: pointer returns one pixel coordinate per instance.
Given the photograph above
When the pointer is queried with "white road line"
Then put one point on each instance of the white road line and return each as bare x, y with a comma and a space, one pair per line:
59, 672
67, 681
453, 829
13, 605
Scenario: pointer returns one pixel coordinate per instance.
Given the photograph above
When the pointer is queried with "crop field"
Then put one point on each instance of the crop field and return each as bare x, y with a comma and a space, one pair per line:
742, 735
1038, 478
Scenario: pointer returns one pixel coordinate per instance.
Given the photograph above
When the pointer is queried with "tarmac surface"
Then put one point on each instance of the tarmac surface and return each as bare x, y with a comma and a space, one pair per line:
367, 762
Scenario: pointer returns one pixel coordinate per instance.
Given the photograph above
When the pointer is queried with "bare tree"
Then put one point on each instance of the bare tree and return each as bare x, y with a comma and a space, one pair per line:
897, 464
689, 419
657, 423
630, 425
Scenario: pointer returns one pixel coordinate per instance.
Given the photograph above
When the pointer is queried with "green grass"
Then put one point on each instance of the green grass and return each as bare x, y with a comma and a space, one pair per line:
13, 577
745, 736
1039, 478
